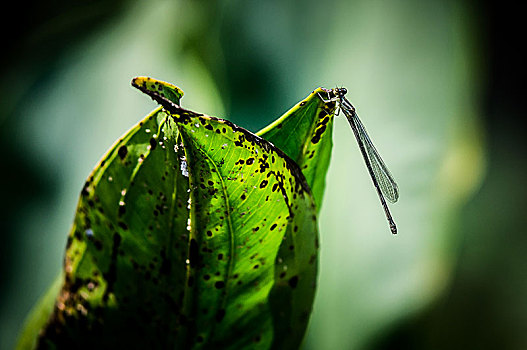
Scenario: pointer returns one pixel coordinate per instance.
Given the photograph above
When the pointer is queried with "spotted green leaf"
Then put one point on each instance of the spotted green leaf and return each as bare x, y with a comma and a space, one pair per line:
193, 232
304, 133
163, 91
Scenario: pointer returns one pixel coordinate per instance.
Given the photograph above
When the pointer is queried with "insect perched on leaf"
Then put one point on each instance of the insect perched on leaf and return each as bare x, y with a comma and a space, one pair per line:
193, 232
379, 173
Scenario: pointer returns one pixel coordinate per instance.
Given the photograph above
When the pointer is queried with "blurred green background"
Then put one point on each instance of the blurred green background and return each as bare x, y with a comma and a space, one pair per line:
439, 85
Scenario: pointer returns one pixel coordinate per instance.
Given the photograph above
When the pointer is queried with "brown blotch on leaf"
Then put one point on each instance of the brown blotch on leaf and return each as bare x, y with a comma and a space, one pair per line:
153, 144
193, 253
293, 282
122, 152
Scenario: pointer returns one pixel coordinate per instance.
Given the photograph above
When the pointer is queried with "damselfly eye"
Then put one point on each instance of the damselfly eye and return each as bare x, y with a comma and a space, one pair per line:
342, 91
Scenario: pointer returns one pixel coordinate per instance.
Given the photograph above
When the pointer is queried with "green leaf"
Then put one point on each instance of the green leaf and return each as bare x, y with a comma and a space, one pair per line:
193, 232
124, 265
304, 133
163, 91
262, 197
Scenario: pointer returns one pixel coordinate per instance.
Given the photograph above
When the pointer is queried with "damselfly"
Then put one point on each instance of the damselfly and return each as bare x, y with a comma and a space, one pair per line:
379, 173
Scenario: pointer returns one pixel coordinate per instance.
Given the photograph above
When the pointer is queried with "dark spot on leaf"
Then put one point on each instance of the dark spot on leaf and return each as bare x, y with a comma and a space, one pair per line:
273, 227
263, 165
84, 191
220, 256
153, 143
263, 183
206, 277
98, 244
243, 196
240, 141
209, 233
69, 242
122, 225
193, 253
111, 274
219, 284
293, 282
122, 152
318, 134
249, 161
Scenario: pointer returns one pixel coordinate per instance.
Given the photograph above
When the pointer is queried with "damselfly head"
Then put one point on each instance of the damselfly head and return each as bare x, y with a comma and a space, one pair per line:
341, 91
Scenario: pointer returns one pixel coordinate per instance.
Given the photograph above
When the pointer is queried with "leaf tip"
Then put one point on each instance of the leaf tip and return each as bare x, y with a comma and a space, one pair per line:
164, 93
